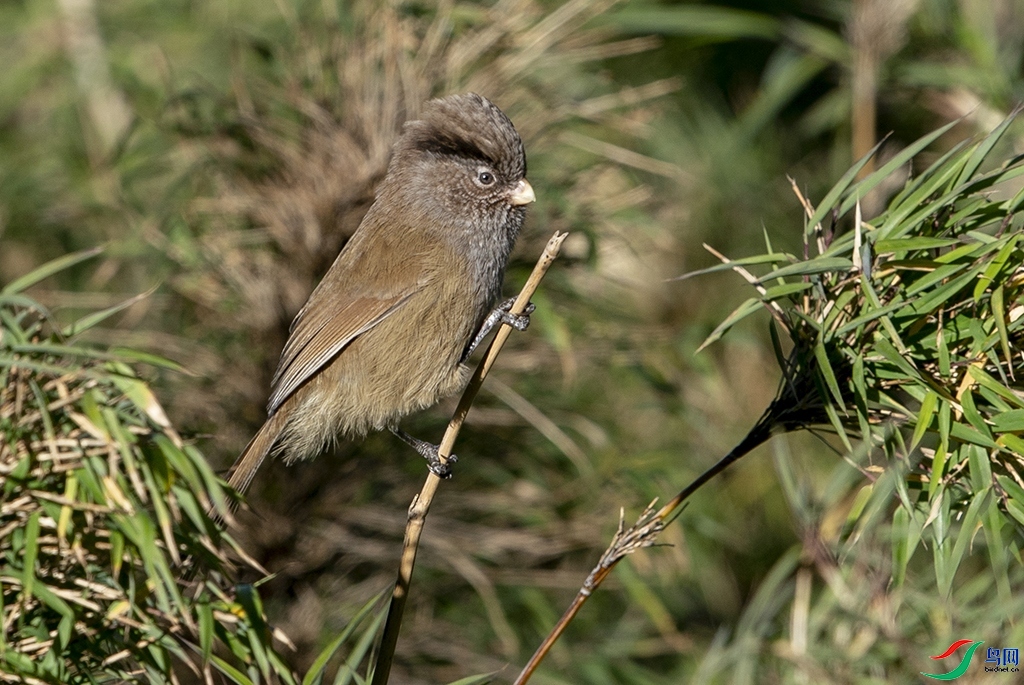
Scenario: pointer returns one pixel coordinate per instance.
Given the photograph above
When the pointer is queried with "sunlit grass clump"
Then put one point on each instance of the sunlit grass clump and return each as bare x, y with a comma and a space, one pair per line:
103, 507
902, 335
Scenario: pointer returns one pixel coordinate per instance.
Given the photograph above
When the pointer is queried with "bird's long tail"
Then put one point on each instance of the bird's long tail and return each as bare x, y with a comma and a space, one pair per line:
244, 468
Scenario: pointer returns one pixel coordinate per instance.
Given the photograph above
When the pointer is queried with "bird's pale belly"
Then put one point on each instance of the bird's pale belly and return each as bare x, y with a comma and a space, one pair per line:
368, 387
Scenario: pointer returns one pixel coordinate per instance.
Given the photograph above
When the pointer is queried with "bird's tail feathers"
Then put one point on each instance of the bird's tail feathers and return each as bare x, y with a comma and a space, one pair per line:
255, 453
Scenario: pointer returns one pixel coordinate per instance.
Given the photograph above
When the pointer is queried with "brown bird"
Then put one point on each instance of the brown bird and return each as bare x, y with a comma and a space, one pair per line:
388, 329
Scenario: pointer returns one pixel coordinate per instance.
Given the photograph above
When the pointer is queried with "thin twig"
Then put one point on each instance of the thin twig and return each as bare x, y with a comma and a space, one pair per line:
421, 502
643, 534
771, 305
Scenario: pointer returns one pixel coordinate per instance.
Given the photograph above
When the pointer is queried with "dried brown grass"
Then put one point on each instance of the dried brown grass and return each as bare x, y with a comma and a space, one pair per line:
290, 179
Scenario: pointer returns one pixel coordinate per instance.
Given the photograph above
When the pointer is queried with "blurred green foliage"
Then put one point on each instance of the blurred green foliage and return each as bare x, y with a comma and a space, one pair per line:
223, 152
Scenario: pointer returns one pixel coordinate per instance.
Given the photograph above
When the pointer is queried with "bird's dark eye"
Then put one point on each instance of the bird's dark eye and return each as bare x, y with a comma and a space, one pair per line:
485, 178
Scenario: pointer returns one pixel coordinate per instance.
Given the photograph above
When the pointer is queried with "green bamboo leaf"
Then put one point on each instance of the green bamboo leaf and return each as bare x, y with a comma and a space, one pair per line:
747, 308
861, 400
258, 651
913, 243
891, 354
157, 497
872, 314
840, 309
182, 466
860, 501
924, 417
780, 355
992, 524
1015, 510
49, 269
910, 210
50, 599
911, 193
999, 314
732, 263
812, 266
1013, 205
19, 663
230, 671
865, 186
939, 460
1009, 421
12, 331
31, 551
972, 414
937, 276
1015, 497
143, 398
966, 211
347, 672
966, 433
260, 634
985, 380
315, 672
936, 297
821, 355
990, 272
967, 530
980, 468
990, 179
837, 424
943, 349
906, 533
777, 292
965, 253
213, 486
982, 150
1012, 443
194, 511
832, 197
150, 359
942, 549
44, 411
96, 318
139, 529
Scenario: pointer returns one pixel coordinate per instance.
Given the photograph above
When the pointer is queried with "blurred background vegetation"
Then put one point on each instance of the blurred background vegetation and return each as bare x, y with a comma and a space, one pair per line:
223, 151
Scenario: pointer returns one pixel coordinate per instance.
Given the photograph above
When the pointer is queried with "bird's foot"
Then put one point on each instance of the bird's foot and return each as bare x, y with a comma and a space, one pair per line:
520, 322
442, 468
501, 314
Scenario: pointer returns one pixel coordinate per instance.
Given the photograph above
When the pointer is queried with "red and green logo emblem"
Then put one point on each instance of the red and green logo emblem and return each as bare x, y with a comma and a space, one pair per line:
964, 663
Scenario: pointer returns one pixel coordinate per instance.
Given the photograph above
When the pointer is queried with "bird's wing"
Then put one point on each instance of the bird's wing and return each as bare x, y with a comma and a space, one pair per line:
322, 330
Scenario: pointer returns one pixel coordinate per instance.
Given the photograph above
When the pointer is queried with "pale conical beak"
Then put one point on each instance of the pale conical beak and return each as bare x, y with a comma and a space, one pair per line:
522, 194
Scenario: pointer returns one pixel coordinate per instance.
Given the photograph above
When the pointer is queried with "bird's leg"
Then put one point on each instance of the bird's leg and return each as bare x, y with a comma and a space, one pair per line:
429, 452
501, 314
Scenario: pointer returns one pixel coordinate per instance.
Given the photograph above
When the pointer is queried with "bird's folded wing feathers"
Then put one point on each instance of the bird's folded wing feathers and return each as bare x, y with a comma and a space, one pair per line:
317, 336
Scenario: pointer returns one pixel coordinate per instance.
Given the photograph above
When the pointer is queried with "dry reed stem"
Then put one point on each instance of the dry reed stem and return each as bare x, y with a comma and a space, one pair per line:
421, 502
642, 534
